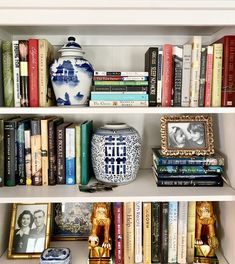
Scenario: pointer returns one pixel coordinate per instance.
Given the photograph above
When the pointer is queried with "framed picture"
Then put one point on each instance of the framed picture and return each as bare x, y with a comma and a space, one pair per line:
187, 135
71, 221
30, 229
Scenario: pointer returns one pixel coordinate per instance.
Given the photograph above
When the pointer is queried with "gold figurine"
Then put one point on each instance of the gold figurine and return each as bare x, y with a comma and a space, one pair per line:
99, 240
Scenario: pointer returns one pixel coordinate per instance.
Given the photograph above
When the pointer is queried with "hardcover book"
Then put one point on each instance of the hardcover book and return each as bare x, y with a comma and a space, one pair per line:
164, 232
28, 156
117, 88
16, 72
202, 82
1, 78
177, 79
78, 152
147, 233
209, 76
1, 152
156, 232
159, 76
172, 232
70, 155
191, 221
118, 73
138, 232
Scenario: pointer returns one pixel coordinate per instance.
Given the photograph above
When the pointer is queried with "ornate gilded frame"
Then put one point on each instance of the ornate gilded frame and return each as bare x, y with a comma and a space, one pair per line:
14, 255
209, 137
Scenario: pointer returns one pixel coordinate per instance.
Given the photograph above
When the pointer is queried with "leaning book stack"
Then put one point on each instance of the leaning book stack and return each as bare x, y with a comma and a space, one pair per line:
188, 171
119, 89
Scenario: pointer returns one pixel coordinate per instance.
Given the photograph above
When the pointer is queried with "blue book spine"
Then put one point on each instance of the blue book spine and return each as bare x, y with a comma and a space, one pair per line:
70, 156
119, 97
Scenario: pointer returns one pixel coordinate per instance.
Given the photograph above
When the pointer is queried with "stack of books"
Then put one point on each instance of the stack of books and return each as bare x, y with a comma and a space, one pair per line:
188, 171
119, 89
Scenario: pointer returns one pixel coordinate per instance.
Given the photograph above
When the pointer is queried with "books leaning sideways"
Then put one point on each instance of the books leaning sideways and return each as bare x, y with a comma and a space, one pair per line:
188, 171
119, 89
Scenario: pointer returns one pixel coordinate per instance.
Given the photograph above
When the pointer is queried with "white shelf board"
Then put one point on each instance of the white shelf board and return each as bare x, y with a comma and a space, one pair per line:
143, 188
79, 251
114, 110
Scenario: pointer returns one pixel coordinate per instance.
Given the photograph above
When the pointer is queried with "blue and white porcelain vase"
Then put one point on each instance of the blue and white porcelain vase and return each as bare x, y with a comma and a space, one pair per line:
71, 75
116, 153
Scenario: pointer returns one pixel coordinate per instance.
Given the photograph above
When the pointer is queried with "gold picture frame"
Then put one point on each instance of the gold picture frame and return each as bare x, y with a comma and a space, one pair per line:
30, 230
187, 135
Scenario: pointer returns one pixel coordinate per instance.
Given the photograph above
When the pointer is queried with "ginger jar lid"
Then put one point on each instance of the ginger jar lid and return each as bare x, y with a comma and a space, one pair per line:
72, 48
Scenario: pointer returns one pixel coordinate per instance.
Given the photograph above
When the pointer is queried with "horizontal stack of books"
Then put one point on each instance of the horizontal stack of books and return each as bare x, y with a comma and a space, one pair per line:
188, 171
119, 89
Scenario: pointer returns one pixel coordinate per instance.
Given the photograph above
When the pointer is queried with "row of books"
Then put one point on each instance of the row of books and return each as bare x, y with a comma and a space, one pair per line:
192, 75
154, 232
24, 73
191, 171
44, 151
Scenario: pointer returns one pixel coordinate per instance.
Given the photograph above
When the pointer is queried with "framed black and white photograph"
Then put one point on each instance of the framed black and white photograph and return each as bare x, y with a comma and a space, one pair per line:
71, 221
30, 228
187, 135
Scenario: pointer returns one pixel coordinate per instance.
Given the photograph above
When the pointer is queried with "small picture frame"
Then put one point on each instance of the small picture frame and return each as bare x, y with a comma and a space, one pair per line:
187, 135
30, 229
71, 221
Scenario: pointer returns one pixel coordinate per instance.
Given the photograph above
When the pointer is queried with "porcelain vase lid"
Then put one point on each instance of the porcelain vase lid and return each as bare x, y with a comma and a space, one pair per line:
71, 48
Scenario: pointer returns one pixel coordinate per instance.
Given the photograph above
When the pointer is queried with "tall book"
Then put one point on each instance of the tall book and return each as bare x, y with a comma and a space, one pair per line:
33, 73
177, 79
45, 58
164, 232
209, 76
8, 80
1, 78
195, 70
151, 64
78, 144
138, 232
1, 152
191, 222
118, 231
147, 233
228, 72
202, 82
24, 74
70, 154
172, 232
28, 157
128, 230
159, 76
156, 232
217, 74
16, 72
167, 75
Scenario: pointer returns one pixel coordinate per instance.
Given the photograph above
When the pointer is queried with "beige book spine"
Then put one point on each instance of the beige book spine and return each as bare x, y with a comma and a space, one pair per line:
128, 226
138, 232
191, 231
78, 153
147, 233
217, 74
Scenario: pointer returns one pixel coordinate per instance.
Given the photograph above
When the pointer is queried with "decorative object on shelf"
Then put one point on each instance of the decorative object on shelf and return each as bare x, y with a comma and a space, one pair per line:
30, 229
115, 153
206, 241
99, 240
71, 221
71, 75
187, 135
56, 256
97, 187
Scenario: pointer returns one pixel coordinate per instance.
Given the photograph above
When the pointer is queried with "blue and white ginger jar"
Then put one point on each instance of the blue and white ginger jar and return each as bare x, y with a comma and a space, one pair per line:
116, 153
71, 75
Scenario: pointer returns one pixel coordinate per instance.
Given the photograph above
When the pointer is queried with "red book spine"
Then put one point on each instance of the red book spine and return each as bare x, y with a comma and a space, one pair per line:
33, 73
118, 223
209, 76
167, 75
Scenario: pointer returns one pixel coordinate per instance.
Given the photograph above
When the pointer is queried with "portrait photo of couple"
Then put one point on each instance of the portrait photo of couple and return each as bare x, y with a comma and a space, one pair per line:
30, 229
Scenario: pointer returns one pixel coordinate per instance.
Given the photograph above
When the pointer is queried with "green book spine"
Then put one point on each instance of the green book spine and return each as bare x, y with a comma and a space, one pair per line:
2, 152
86, 131
8, 81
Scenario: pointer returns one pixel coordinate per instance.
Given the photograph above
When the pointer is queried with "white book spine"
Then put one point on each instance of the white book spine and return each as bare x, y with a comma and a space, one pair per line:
16, 72
100, 103
70, 155
138, 232
182, 232
28, 160
172, 232
195, 71
187, 56
159, 76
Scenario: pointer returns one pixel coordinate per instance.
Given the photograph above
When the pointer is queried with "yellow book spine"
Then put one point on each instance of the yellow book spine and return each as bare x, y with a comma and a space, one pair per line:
191, 231
217, 75
147, 232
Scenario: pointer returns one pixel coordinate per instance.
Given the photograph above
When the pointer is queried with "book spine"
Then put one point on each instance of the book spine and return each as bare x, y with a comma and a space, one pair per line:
8, 81
138, 232
16, 72
120, 78
178, 69
21, 154
133, 83
172, 232
151, 62
195, 71
33, 73
1, 152
44, 137
209, 76
70, 156
121, 88
1, 77
167, 75
187, 57
128, 230
217, 75
190, 182
117, 103
202, 82
78, 153
156, 231
164, 231
36, 152
113, 94
24, 76
147, 233
119, 97
28, 157
182, 232
118, 239
191, 221
105, 73
159, 77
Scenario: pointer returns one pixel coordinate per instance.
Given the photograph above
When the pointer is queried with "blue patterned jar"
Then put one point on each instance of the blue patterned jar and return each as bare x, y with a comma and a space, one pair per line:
71, 75
116, 153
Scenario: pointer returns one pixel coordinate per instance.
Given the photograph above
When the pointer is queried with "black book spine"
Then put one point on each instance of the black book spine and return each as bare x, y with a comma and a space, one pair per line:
1, 152
151, 64
156, 233
177, 80
202, 83
191, 182
164, 232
